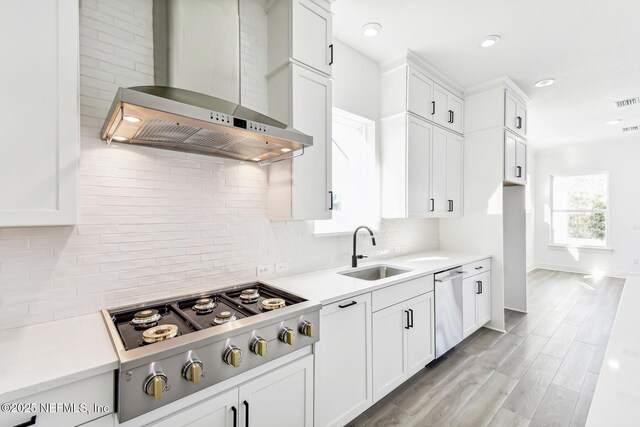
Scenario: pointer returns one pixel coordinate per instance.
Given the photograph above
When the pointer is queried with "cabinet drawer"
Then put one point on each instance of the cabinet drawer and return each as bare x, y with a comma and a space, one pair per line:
394, 294
83, 401
477, 267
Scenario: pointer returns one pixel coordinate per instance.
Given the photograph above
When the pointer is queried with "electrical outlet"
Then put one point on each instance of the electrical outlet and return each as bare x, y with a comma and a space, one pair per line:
635, 261
261, 270
282, 267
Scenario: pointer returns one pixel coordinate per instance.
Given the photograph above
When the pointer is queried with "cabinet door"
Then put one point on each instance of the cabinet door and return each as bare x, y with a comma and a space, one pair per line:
311, 114
343, 361
510, 112
521, 120
219, 410
483, 298
418, 164
389, 349
421, 334
469, 306
441, 105
439, 203
311, 37
283, 397
39, 113
521, 162
454, 175
419, 94
455, 109
510, 170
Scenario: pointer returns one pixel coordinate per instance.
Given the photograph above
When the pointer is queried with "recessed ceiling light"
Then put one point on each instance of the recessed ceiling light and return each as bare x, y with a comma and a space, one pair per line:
614, 122
132, 119
490, 40
256, 159
544, 82
371, 29
119, 138
285, 150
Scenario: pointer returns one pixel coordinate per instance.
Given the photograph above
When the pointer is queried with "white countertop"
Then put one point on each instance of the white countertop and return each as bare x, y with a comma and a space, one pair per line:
326, 286
616, 400
48, 355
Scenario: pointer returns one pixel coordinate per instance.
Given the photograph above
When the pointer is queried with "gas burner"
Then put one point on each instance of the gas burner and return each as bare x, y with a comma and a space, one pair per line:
223, 317
272, 304
146, 318
204, 306
159, 333
249, 296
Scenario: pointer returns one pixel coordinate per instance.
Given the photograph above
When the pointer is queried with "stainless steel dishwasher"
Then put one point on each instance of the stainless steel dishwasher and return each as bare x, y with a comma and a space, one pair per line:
448, 295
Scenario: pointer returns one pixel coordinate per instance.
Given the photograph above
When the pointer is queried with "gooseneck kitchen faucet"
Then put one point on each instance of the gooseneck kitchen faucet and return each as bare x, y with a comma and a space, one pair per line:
354, 257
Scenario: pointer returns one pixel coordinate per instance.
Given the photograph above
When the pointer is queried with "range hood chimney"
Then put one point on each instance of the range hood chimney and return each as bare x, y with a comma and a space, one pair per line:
195, 105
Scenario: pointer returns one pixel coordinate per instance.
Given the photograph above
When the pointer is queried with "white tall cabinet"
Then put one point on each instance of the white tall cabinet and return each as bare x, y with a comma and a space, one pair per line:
39, 113
421, 142
494, 186
300, 56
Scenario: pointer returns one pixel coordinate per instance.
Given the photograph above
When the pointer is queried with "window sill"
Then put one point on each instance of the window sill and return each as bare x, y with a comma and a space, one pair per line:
558, 246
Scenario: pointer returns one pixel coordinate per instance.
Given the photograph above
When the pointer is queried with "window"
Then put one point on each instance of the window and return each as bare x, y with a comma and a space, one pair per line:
579, 210
354, 178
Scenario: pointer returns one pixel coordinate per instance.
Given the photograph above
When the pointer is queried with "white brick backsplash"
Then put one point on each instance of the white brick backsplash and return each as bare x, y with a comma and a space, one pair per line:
156, 223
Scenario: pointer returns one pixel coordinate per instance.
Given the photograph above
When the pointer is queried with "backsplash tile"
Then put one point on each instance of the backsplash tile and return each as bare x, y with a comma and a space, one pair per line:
156, 223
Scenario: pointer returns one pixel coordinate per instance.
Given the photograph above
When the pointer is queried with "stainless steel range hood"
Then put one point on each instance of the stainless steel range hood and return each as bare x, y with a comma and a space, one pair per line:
195, 105
182, 120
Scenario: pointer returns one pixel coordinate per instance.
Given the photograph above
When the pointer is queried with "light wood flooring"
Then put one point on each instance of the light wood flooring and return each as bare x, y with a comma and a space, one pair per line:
542, 372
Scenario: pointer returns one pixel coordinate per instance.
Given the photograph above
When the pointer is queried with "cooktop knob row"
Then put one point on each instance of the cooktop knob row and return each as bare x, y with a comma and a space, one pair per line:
155, 384
192, 371
259, 346
287, 336
307, 328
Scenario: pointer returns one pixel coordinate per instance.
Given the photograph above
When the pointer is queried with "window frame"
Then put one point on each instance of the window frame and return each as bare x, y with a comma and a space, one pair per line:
607, 213
370, 128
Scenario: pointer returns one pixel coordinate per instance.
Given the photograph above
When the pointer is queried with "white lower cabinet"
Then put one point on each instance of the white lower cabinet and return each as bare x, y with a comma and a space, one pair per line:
343, 361
476, 302
403, 342
216, 411
288, 389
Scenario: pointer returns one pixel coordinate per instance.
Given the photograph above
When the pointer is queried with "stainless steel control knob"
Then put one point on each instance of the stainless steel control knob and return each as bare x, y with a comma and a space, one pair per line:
307, 328
192, 371
259, 346
155, 384
287, 336
232, 356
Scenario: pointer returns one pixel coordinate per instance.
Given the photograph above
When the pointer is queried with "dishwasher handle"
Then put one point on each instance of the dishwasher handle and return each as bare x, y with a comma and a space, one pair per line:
450, 276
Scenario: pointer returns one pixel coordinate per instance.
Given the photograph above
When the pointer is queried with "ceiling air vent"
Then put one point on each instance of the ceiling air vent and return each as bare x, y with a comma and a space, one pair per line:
630, 129
627, 102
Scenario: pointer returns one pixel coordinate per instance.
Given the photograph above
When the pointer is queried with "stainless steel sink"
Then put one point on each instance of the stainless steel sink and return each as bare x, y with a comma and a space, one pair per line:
376, 272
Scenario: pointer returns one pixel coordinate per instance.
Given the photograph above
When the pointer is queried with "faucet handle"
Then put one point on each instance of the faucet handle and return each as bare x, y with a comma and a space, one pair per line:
362, 256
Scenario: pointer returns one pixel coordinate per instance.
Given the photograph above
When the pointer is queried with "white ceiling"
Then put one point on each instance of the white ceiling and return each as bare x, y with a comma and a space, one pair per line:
591, 48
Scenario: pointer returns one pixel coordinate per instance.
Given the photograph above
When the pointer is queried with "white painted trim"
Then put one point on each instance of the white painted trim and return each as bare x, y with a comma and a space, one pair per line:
503, 81
559, 246
495, 329
516, 309
578, 270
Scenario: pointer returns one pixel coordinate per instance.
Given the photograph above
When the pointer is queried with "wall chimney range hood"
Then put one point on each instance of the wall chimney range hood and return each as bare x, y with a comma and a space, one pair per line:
195, 104
182, 120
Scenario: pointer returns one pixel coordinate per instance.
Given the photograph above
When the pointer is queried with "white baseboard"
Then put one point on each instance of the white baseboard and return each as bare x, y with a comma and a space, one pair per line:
516, 309
579, 270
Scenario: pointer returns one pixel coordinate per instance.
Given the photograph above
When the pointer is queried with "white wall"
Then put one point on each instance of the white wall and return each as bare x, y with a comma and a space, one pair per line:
529, 204
156, 223
621, 160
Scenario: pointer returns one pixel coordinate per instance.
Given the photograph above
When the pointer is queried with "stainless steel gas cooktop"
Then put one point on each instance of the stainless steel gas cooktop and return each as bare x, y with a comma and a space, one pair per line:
171, 348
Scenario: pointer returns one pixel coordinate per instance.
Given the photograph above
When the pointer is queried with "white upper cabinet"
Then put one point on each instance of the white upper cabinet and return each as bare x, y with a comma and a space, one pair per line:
419, 93
421, 169
515, 115
515, 159
300, 30
407, 89
39, 113
300, 188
